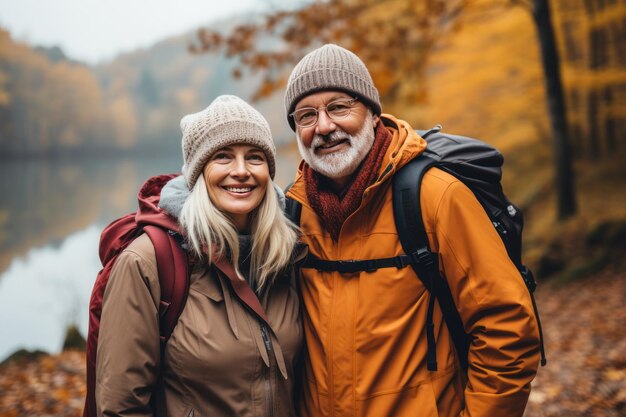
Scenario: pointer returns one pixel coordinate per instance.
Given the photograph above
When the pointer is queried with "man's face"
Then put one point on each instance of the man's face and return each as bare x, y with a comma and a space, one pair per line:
335, 148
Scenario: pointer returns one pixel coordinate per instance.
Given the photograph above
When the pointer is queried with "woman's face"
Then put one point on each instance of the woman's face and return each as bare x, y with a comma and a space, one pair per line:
236, 178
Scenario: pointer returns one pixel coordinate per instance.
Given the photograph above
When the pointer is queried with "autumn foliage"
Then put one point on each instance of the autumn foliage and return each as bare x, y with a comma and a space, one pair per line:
472, 65
45, 106
396, 39
44, 386
392, 37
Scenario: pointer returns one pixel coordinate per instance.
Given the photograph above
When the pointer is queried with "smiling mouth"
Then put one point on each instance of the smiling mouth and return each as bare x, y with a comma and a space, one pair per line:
239, 190
331, 145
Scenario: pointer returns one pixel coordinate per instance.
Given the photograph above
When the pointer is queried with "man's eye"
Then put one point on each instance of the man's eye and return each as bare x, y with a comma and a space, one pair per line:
338, 108
306, 115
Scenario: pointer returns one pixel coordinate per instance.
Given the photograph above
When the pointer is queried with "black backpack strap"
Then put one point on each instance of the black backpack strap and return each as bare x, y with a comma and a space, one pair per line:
352, 266
531, 284
410, 225
173, 270
293, 208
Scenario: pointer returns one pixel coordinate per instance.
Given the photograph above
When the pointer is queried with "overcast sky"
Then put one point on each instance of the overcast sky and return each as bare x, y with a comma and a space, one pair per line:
97, 30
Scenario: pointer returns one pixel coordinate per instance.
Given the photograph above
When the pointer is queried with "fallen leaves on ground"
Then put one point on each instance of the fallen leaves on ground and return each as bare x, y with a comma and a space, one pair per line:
47, 386
585, 334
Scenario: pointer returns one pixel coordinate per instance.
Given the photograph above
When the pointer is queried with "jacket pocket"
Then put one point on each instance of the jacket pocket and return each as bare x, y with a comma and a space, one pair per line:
414, 401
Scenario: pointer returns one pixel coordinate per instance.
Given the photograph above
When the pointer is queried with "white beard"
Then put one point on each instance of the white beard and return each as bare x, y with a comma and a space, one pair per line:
342, 163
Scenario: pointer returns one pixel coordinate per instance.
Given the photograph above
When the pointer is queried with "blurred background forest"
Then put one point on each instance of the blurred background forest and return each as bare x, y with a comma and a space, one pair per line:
76, 140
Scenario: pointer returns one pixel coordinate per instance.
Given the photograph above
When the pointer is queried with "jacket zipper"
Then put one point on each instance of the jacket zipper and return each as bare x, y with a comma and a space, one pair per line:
269, 400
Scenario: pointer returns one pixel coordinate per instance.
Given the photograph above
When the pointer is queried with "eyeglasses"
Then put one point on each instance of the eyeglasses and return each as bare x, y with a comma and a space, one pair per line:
335, 110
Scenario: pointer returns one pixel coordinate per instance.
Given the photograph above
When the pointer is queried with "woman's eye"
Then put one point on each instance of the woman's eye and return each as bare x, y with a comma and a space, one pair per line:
221, 155
256, 157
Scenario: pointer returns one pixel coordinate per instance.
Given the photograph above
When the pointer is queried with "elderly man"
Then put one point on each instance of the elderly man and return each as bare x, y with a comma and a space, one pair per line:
366, 330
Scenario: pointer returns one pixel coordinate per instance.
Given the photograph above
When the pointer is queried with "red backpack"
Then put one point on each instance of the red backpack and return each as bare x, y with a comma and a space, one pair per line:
172, 268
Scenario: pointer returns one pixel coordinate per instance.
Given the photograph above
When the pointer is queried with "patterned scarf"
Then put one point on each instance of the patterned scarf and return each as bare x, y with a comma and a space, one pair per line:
334, 209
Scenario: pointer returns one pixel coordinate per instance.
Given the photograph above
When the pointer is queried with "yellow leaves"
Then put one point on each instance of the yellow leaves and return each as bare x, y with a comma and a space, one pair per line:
613, 374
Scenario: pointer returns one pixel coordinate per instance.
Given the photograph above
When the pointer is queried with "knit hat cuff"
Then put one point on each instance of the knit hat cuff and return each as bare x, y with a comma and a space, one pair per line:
330, 67
226, 134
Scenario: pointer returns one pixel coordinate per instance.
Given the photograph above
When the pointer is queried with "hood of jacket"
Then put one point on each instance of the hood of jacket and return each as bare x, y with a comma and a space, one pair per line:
173, 196
148, 198
116, 235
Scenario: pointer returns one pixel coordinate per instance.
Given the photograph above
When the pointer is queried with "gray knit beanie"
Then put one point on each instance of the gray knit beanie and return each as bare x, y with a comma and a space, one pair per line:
330, 67
228, 120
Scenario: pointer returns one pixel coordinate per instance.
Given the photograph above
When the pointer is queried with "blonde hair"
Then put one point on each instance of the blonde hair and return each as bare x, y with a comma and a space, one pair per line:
210, 232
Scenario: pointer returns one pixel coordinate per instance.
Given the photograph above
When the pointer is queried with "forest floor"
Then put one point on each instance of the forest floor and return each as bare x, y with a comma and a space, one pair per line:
585, 336
583, 322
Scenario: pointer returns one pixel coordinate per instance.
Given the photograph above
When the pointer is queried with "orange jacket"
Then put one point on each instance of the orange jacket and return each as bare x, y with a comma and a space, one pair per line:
365, 332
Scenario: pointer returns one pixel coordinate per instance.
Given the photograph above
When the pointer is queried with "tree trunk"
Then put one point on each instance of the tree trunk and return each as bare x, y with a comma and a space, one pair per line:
564, 174
593, 103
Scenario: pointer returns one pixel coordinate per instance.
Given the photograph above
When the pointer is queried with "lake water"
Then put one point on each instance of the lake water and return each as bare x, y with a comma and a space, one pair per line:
51, 216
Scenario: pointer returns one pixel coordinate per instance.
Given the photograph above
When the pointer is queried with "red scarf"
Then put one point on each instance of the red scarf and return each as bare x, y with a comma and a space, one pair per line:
329, 206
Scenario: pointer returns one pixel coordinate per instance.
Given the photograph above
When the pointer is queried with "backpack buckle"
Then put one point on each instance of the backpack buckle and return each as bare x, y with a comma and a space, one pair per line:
422, 256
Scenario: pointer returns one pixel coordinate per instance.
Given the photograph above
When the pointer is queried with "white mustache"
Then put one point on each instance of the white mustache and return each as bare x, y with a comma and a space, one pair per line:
336, 136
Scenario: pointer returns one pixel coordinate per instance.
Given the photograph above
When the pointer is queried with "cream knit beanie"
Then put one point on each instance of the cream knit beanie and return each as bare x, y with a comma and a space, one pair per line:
330, 67
228, 120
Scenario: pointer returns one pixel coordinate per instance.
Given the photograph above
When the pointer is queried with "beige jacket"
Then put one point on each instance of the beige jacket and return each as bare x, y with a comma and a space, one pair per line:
217, 361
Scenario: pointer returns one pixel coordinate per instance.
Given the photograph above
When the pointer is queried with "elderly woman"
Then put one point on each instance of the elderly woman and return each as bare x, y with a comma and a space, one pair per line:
222, 358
